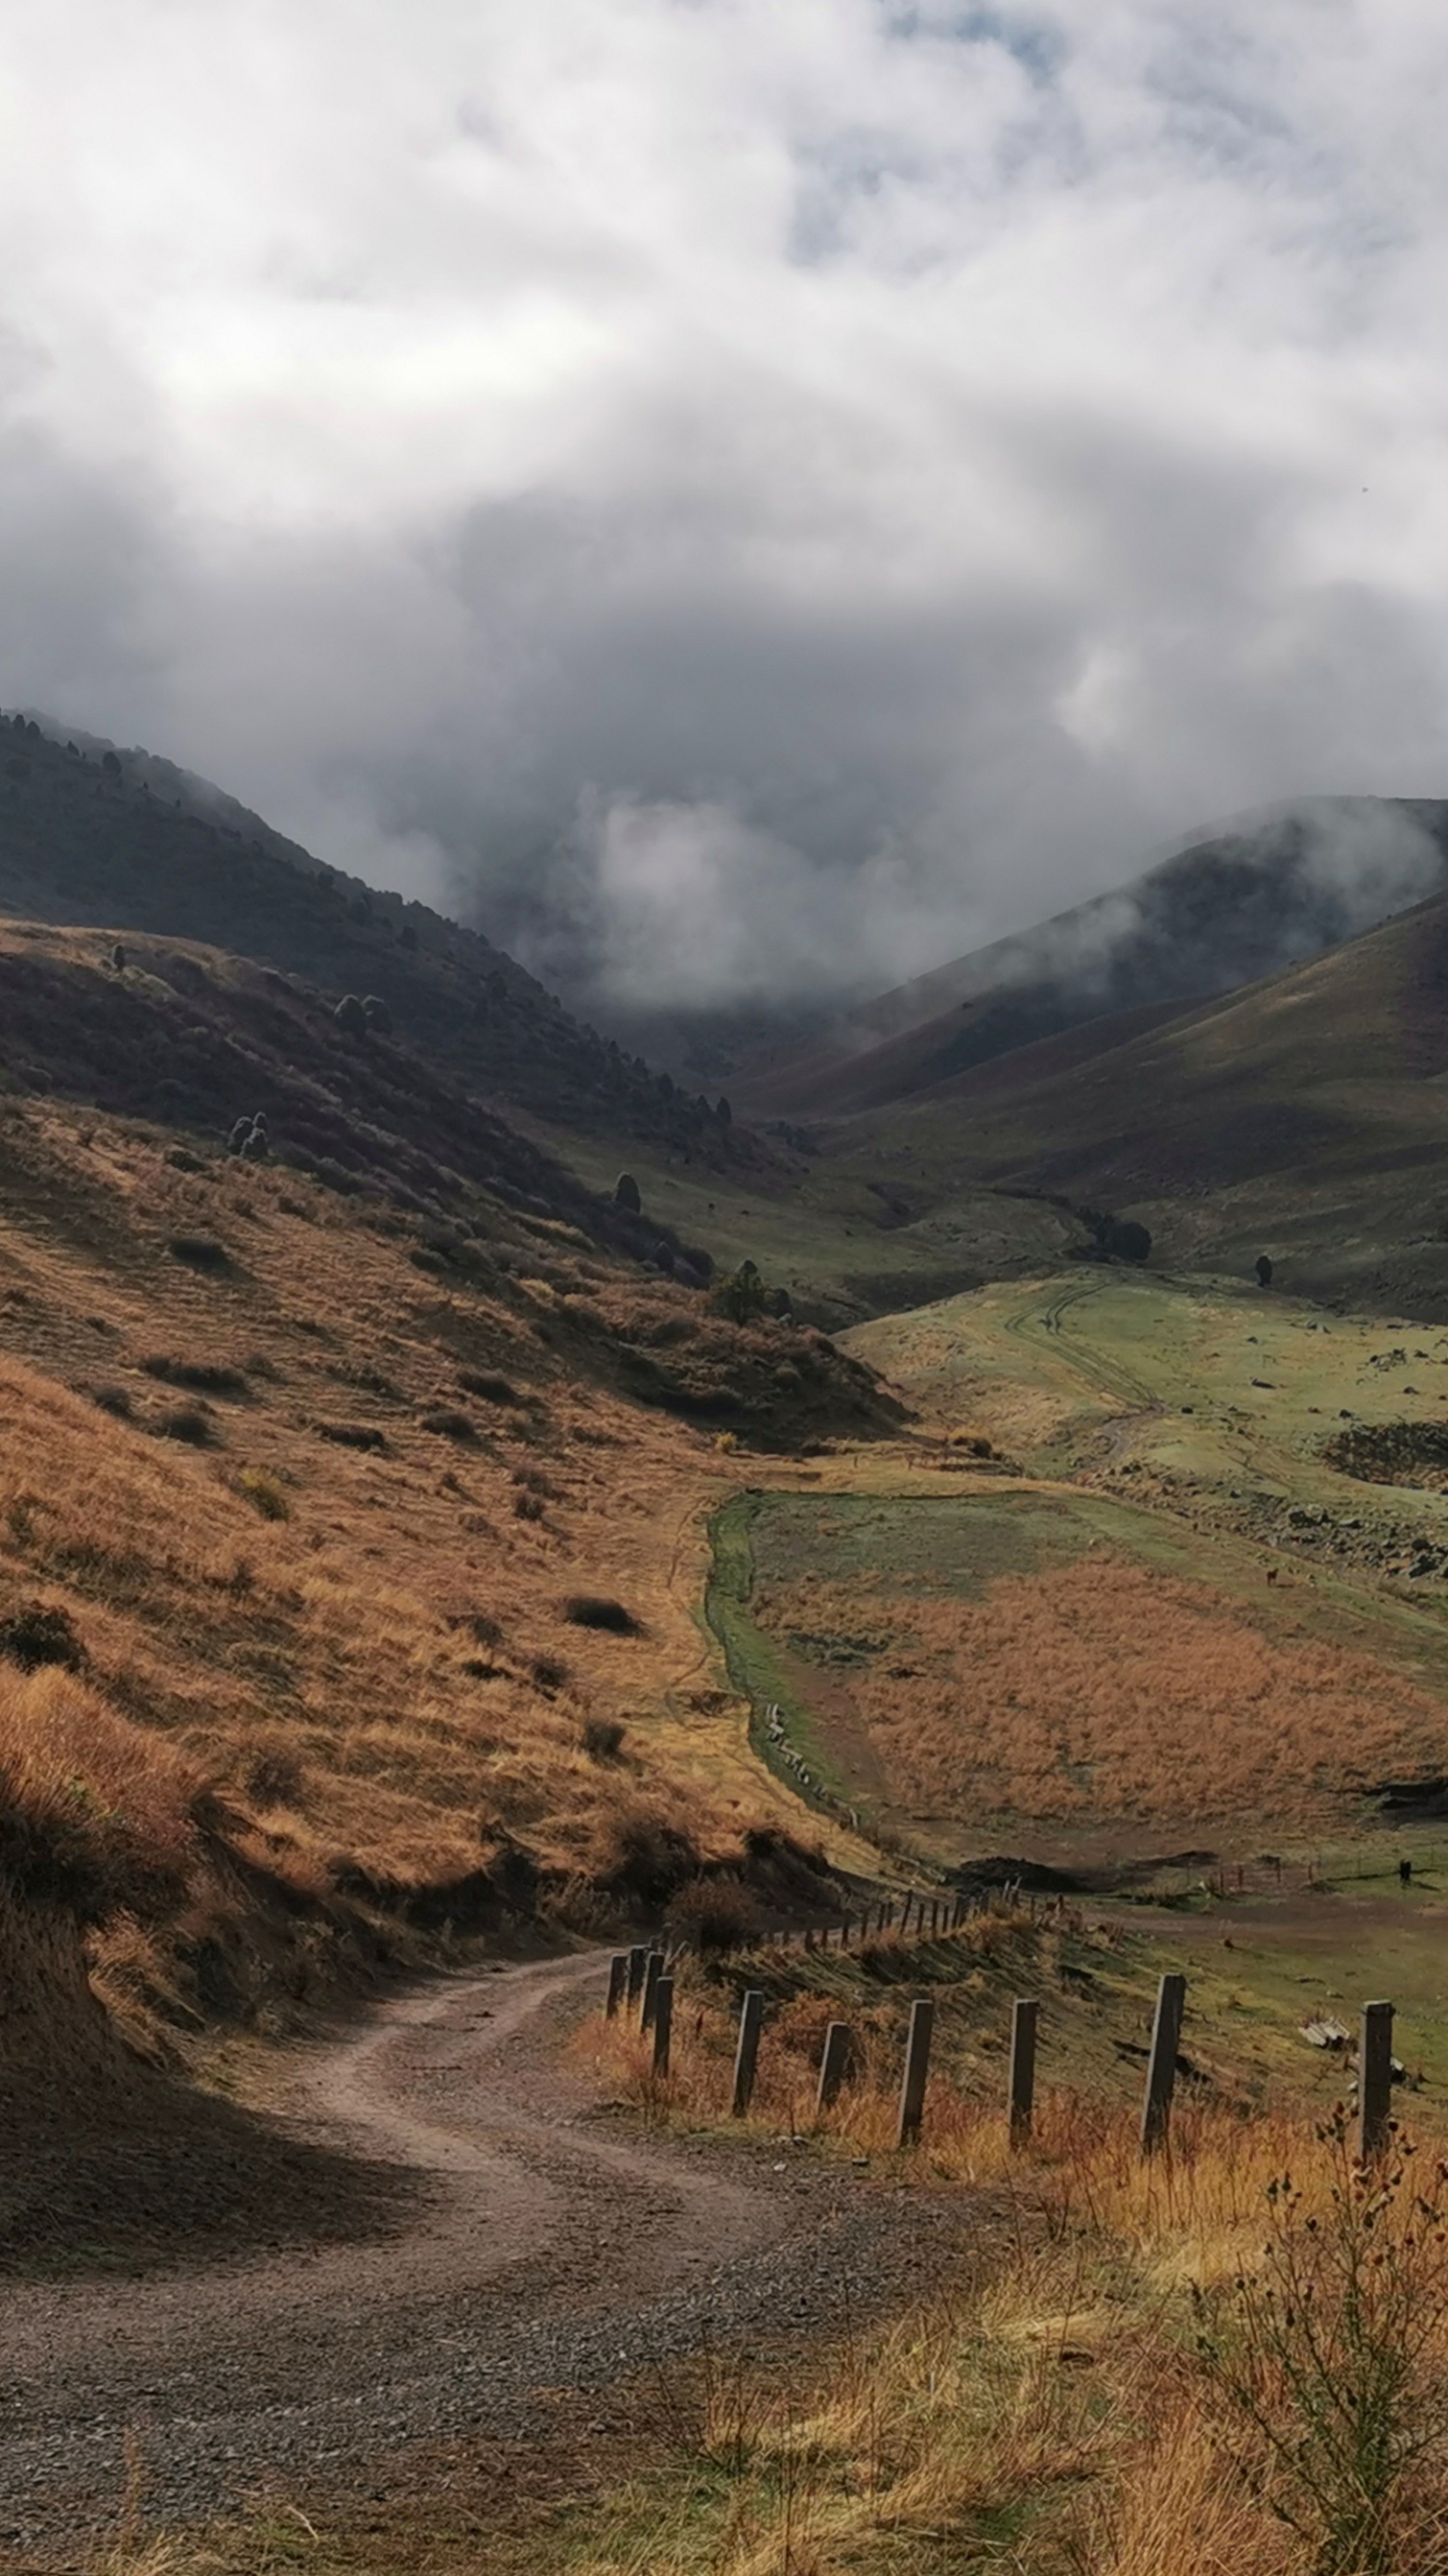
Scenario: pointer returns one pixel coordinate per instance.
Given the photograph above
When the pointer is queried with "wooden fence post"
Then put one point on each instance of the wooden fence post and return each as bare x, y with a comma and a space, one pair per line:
663, 2023
1166, 2032
834, 2065
746, 2054
917, 2068
653, 1971
1375, 2080
637, 1964
1023, 2067
617, 1984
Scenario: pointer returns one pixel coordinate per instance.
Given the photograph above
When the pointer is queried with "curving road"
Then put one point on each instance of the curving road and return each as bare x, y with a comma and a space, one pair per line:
544, 2252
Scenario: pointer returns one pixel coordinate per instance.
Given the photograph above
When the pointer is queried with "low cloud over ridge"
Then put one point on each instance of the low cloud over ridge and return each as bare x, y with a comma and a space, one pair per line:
748, 498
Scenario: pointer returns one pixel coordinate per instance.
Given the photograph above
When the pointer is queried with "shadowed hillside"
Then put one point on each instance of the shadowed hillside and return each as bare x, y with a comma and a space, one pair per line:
1305, 1116
1217, 916
94, 838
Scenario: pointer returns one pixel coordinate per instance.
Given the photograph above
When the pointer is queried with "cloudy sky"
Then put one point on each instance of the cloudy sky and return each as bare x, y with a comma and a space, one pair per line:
744, 496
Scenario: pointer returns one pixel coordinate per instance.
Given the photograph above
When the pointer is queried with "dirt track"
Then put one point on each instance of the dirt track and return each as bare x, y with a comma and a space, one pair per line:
549, 2250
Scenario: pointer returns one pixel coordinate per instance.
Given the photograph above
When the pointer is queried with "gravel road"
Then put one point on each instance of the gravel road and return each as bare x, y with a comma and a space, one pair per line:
547, 2251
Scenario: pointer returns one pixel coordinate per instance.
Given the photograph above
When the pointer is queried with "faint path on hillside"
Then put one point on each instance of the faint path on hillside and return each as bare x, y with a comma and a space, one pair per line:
552, 2249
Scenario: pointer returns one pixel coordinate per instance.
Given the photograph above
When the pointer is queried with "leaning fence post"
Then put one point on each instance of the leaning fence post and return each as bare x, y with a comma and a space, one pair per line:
663, 2023
1023, 2067
917, 2067
751, 2015
637, 1964
1166, 2032
617, 1984
653, 1971
833, 2065
1375, 2080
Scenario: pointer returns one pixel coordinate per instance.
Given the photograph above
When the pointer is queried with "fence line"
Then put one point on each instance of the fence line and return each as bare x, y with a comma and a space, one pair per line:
1377, 2068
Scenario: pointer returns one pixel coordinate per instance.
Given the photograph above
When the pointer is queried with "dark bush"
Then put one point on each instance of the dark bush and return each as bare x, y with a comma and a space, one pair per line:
204, 1377
350, 1017
199, 1252
602, 1739
276, 1778
186, 1422
351, 1435
549, 1672
447, 1423
113, 1399
370, 1381
377, 1015
1116, 1238
626, 1194
715, 1913
484, 1627
596, 1610
485, 1383
36, 1635
527, 1507
650, 1857
740, 1296
1128, 1241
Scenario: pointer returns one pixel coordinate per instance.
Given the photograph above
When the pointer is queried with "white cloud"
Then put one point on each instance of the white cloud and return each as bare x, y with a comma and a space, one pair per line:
762, 493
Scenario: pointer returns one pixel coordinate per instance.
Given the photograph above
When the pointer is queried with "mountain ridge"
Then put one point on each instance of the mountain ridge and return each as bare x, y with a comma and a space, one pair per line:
1212, 918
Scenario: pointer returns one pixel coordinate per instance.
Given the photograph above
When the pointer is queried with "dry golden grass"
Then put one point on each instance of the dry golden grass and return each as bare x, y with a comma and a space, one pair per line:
1067, 2415
1105, 1691
294, 1623
1058, 2419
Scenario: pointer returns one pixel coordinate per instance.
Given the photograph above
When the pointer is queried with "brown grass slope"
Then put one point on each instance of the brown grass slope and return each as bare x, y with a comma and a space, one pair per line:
86, 843
322, 1503
1306, 1116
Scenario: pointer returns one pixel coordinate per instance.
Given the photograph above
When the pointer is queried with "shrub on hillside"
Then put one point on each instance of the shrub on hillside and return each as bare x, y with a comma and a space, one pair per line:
204, 1377
187, 1423
487, 1384
626, 1194
549, 1672
350, 1017
715, 1913
199, 1252
741, 1295
644, 1854
39, 1634
1116, 1238
598, 1610
481, 1626
351, 1435
264, 1494
276, 1777
447, 1423
602, 1739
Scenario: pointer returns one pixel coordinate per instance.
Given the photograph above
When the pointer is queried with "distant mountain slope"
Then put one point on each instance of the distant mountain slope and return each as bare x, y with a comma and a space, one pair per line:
1217, 916
124, 841
1306, 1117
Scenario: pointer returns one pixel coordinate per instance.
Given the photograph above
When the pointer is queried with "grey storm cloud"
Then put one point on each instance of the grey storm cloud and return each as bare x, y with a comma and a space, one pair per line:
745, 498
